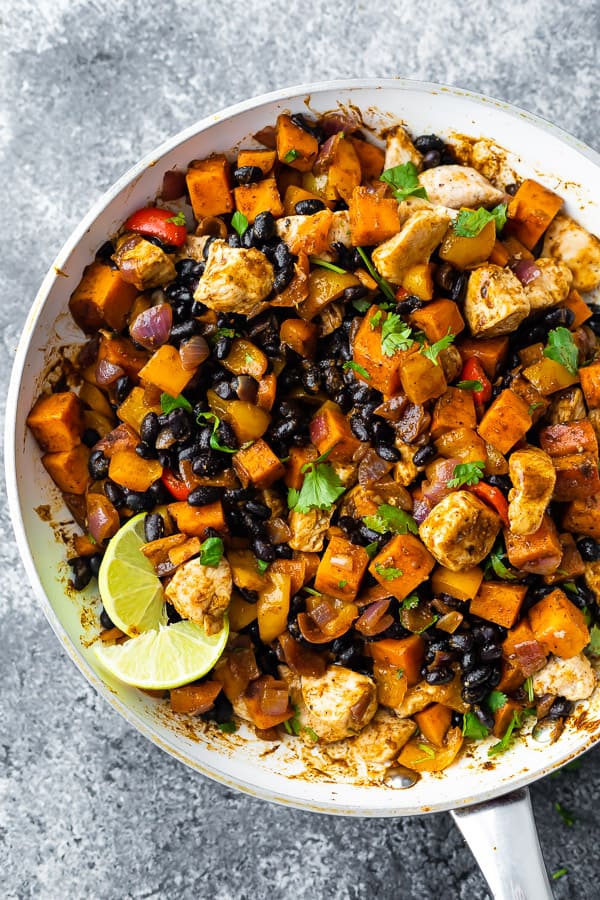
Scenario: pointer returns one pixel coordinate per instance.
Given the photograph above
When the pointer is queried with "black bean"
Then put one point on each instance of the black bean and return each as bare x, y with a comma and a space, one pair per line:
462, 641
432, 159
490, 651
359, 429
350, 656
424, 455
188, 268
90, 437
247, 238
225, 390
222, 347
340, 205
469, 660
589, 549
258, 510
234, 241
145, 451
500, 481
115, 493
282, 256
236, 495
180, 293
494, 676
172, 614
267, 660
311, 377
154, 527
206, 463
98, 465
222, 710
201, 496
387, 452
484, 716
511, 189
347, 524
309, 207
264, 227
409, 305
474, 694
105, 619
248, 595
149, 428
95, 562
263, 549
560, 708
284, 551
139, 501
159, 493
443, 675
459, 288
426, 142
167, 459
123, 387
226, 436
206, 249
247, 174
444, 276
105, 252
82, 572
254, 527
282, 278
484, 632
184, 330
311, 127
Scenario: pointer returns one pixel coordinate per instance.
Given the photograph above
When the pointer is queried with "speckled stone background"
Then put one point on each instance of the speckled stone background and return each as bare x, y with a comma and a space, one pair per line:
88, 808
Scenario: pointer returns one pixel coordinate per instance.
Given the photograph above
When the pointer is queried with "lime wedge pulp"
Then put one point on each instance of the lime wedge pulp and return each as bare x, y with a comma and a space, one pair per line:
165, 657
131, 591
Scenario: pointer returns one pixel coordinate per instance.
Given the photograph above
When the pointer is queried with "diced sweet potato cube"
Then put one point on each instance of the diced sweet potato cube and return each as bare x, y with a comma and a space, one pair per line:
343, 172
164, 369
530, 212
383, 370
402, 565
567, 438
101, 299
373, 218
504, 715
208, 182
536, 403
434, 722
532, 354
295, 146
491, 352
576, 477
258, 465
69, 469
522, 649
558, 625
437, 319
406, 654
182, 552
245, 358
301, 336
505, 422
262, 159
262, 196
454, 409
330, 430
463, 585
421, 379
571, 565
499, 602
132, 472
511, 677
298, 457
371, 158
590, 384
56, 421
578, 307
341, 569
121, 352
539, 553
499, 255
583, 517
194, 520
549, 376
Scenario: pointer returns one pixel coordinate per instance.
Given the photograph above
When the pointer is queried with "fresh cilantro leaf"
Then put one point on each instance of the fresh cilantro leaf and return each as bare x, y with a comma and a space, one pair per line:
262, 565
467, 473
239, 222
350, 364
567, 817
410, 602
404, 180
388, 573
399, 673
310, 732
291, 155
320, 489
178, 219
494, 564
533, 407
294, 726
562, 349
496, 700
395, 335
211, 552
505, 741
559, 873
92, 539
383, 284
342, 584
325, 264
473, 728
375, 320
390, 518
214, 443
594, 644
434, 351
470, 385
361, 305
223, 332
371, 549
470, 222
312, 591
227, 727
569, 586
528, 688
168, 403
428, 751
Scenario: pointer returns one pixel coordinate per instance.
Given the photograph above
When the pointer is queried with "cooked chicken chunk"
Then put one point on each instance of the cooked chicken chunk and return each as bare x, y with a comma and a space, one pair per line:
423, 694
338, 704
142, 263
378, 744
496, 303
576, 247
458, 186
460, 531
414, 243
201, 593
308, 529
533, 476
567, 406
551, 286
193, 247
572, 678
405, 471
339, 230
234, 280
592, 578
399, 150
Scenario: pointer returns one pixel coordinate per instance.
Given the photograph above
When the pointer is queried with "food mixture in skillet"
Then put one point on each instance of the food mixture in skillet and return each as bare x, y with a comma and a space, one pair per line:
342, 415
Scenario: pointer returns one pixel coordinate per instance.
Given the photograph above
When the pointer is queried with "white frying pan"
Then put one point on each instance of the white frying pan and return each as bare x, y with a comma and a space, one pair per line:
491, 805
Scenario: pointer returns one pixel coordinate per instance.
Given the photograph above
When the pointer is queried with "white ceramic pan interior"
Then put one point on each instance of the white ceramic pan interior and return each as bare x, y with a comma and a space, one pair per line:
537, 149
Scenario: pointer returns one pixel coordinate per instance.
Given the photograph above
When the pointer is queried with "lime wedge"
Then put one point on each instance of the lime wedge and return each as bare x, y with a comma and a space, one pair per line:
165, 657
131, 591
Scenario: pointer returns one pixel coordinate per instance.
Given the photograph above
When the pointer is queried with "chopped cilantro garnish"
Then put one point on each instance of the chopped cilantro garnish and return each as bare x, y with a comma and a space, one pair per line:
567, 817
350, 364
467, 473
528, 688
388, 573
375, 320
470, 222
559, 873
227, 727
496, 700
434, 350
361, 305
320, 489
505, 741
211, 551
404, 180
470, 385
391, 518
342, 584
410, 602
386, 289
239, 222
562, 349
534, 406
371, 549
325, 264
312, 591
428, 751
494, 564
594, 644
291, 155
169, 403
178, 219
473, 728
395, 335
214, 443
262, 565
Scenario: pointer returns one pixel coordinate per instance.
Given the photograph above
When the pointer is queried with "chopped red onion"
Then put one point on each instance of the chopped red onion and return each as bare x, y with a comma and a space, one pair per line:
173, 185
193, 352
107, 372
374, 619
526, 270
334, 122
152, 327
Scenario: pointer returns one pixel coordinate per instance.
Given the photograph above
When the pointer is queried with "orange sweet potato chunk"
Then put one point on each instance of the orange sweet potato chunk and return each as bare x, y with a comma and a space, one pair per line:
295, 146
558, 625
491, 352
434, 722
262, 159
101, 298
505, 422
330, 430
383, 371
530, 212
454, 409
258, 465
499, 602
583, 517
194, 520
437, 319
539, 553
567, 438
56, 421
590, 384
69, 469
406, 654
373, 218
164, 369
209, 186
341, 569
262, 196
402, 565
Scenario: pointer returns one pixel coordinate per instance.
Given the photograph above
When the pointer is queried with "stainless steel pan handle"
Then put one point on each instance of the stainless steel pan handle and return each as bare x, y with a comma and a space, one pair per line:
503, 839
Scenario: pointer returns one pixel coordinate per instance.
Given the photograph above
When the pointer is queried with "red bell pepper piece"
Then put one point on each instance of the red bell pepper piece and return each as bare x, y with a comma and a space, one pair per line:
473, 371
175, 485
159, 223
494, 497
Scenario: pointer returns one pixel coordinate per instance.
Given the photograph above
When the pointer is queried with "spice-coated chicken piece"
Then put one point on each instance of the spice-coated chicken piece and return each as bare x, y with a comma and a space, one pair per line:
551, 286
399, 150
566, 406
567, 241
142, 263
496, 302
338, 704
309, 529
234, 280
571, 678
201, 593
422, 695
533, 476
414, 243
378, 744
460, 186
460, 531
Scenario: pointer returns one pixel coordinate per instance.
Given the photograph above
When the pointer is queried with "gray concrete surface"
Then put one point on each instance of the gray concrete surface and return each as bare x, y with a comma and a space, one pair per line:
88, 809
